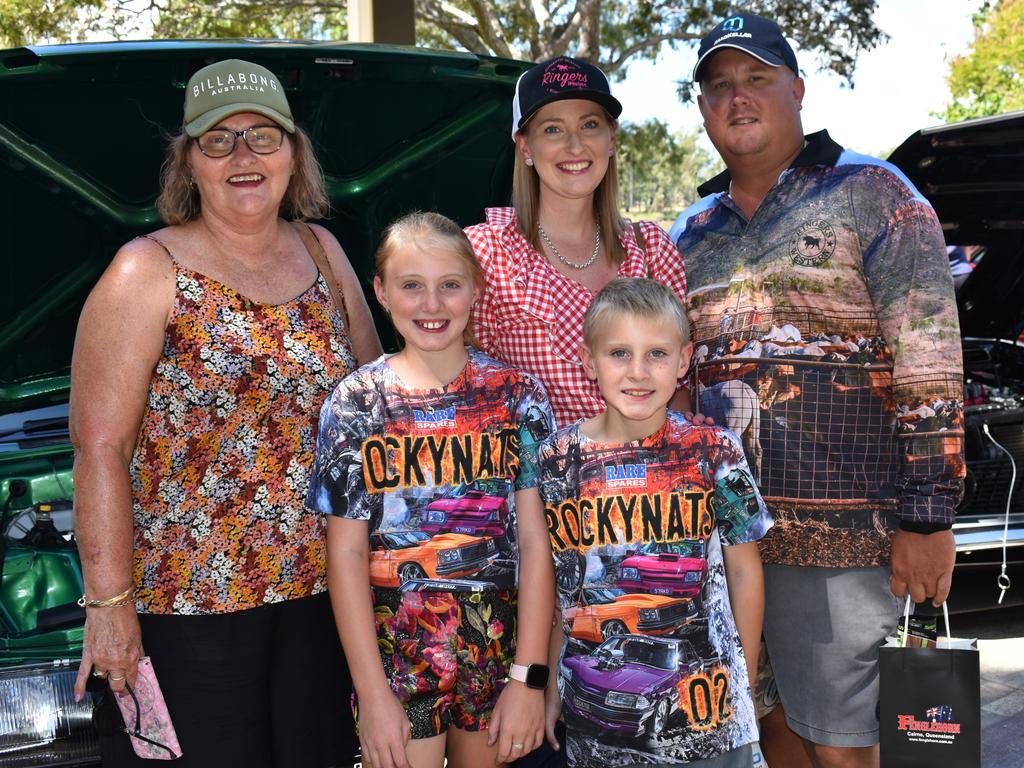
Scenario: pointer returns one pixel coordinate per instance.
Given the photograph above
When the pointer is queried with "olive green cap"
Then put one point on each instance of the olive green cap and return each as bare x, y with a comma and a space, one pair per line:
230, 87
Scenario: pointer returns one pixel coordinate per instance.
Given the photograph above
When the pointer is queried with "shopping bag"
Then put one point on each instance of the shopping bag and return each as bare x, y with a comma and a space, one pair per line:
930, 712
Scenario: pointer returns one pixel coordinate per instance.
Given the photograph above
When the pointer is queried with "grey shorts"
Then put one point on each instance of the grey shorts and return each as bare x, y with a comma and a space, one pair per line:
823, 627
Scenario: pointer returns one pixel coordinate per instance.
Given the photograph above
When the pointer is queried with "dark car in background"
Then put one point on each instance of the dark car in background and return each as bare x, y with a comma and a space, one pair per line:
973, 174
82, 137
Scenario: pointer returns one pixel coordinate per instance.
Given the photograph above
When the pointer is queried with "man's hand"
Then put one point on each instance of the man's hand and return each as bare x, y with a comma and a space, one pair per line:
922, 564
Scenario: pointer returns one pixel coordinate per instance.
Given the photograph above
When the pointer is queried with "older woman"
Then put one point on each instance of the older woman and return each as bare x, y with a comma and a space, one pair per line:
546, 258
202, 358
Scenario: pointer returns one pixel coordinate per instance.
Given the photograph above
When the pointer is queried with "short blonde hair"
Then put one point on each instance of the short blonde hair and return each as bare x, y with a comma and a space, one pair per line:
634, 297
430, 230
526, 201
179, 202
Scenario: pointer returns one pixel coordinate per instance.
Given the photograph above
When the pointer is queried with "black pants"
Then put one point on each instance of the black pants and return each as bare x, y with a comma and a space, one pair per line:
263, 688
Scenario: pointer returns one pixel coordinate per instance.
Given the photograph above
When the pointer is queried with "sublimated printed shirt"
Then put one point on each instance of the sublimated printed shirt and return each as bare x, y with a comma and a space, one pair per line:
432, 471
531, 315
826, 336
653, 672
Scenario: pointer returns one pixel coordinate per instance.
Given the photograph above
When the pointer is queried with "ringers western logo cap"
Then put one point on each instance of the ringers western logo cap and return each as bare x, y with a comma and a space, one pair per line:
755, 35
230, 87
556, 80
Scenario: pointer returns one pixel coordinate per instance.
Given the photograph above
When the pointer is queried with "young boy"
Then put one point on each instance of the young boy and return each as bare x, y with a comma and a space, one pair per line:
650, 518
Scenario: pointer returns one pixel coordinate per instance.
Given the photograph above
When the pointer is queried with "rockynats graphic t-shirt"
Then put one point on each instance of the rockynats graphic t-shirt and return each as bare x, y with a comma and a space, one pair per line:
432, 471
653, 672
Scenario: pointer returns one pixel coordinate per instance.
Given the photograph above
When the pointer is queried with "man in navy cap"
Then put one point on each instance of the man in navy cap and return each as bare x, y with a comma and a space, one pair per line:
831, 270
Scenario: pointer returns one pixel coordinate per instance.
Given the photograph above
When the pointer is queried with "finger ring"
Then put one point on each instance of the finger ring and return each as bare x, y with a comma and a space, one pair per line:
97, 673
517, 746
116, 678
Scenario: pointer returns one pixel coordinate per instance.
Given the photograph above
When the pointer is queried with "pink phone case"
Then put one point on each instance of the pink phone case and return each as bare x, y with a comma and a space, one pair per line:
154, 720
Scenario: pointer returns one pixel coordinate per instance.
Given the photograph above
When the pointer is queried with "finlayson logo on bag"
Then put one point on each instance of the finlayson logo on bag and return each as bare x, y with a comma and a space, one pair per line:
937, 727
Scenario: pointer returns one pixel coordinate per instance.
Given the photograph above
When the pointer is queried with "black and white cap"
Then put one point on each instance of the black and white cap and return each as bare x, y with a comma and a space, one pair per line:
558, 79
752, 34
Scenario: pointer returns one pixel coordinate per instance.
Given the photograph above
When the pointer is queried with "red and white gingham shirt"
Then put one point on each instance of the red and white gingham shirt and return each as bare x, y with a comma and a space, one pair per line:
531, 315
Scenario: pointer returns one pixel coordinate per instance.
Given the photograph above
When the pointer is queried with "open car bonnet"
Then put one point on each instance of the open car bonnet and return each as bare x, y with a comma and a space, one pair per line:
973, 174
83, 133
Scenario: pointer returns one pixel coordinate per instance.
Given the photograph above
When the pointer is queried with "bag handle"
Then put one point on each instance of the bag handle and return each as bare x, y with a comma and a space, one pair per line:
906, 625
319, 256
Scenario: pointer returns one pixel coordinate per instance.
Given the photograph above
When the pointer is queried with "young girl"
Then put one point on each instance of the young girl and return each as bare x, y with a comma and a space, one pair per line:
426, 466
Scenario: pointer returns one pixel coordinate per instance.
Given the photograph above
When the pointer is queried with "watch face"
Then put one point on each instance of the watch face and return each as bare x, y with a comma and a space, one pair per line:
536, 676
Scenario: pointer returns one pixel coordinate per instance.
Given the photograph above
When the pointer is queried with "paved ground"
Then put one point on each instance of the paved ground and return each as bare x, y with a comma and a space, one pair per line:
1001, 643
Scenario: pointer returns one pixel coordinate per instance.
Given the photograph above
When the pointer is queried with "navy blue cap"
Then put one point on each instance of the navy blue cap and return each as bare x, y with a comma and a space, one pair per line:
752, 34
556, 80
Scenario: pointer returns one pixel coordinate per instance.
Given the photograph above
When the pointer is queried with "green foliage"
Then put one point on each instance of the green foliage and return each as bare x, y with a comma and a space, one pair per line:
990, 79
615, 32
24, 21
659, 171
288, 19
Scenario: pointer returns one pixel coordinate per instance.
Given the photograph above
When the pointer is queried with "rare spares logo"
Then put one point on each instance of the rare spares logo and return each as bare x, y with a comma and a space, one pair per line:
937, 727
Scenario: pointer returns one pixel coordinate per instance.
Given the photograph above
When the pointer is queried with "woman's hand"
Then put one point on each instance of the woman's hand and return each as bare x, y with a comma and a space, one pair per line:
112, 646
699, 419
517, 725
384, 730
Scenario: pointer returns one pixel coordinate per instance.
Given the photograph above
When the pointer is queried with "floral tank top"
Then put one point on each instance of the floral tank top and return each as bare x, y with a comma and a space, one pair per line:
225, 448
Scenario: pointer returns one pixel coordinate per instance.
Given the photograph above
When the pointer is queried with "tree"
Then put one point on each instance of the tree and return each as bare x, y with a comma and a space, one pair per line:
612, 33
659, 170
989, 80
27, 21
609, 32
290, 19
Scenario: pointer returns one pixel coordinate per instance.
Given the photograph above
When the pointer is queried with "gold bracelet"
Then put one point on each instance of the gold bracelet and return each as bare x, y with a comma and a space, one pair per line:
117, 600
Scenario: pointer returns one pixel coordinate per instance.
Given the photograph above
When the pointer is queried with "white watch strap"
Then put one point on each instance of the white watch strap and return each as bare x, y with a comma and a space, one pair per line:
518, 672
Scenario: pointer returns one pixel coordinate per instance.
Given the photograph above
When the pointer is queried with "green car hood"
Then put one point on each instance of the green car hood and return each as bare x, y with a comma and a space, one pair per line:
82, 139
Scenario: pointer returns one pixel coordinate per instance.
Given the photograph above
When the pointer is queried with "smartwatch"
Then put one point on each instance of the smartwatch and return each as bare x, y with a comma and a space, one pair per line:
533, 675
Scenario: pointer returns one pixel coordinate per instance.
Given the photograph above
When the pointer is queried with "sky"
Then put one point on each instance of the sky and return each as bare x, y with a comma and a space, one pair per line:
896, 86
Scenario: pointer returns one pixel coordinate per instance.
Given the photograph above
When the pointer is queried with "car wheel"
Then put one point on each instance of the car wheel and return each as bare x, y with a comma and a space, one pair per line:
613, 628
659, 718
570, 568
408, 571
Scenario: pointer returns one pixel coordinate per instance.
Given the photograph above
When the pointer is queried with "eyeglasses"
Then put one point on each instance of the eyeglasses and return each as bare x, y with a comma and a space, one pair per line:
107, 719
261, 139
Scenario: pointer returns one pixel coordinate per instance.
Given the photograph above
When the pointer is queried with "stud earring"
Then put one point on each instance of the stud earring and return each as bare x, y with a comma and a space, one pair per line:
611, 152
529, 161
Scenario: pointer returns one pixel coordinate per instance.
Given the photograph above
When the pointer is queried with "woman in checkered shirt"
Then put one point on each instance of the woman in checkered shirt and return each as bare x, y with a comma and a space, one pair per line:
545, 258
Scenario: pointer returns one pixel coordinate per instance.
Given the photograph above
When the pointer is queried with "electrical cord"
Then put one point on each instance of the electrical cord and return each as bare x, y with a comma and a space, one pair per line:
1003, 580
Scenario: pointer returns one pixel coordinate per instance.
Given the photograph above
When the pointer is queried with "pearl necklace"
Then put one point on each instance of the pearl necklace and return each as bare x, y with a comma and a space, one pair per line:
561, 258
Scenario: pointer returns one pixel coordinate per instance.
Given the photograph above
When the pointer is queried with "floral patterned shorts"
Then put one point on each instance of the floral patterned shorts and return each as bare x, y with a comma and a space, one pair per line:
446, 654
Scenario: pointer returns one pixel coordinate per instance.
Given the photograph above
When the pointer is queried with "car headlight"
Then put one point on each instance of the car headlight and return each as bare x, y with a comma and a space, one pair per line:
648, 614
41, 724
626, 700
691, 577
435, 516
630, 574
449, 556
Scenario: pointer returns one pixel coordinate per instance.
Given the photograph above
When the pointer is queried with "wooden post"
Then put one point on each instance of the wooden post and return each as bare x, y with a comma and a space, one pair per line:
382, 21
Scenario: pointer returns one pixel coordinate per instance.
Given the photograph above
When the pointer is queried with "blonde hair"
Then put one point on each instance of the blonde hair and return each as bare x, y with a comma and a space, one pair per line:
635, 297
526, 201
179, 201
430, 231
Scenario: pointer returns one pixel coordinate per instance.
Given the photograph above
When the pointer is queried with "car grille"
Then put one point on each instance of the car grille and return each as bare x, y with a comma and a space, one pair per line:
672, 612
475, 551
592, 701
988, 468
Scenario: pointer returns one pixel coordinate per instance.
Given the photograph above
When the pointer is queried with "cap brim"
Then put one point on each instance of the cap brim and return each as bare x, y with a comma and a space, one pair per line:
207, 120
758, 53
610, 104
